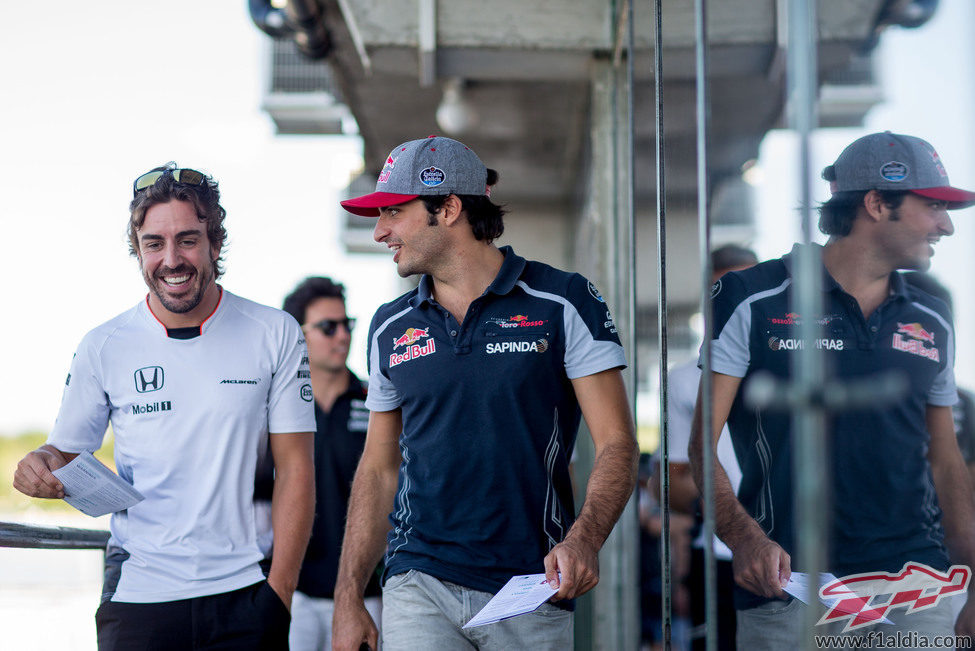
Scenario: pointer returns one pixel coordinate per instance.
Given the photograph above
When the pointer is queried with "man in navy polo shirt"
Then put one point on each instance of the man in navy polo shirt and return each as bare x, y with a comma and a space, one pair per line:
478, 378
900, 492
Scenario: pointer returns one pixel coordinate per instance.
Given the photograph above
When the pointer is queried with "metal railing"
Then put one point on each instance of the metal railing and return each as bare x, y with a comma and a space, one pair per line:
13, 534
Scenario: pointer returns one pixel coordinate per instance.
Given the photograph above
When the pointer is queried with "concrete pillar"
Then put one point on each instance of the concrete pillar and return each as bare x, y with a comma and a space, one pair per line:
608, 618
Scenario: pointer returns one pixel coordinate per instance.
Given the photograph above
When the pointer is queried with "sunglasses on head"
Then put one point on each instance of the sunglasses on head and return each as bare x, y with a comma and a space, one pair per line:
185, 176
329, 326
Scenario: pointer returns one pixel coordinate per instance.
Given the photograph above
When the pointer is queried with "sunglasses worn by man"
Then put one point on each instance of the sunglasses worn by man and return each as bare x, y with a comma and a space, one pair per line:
180, 175
330, 326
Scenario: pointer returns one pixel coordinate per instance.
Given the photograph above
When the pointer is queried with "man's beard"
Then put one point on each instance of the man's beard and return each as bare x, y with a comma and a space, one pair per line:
183, 304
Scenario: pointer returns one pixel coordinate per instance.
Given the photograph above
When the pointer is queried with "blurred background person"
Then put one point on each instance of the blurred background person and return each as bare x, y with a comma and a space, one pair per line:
683, 381
651, 584
318, 304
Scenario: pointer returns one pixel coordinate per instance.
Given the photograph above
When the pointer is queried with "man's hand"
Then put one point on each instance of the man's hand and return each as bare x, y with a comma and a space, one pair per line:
762, 566
578, 563
352, 626
33, 475
965, 624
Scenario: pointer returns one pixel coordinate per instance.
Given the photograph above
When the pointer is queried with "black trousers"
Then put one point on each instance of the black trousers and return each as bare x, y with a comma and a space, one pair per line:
250, 619
725, 602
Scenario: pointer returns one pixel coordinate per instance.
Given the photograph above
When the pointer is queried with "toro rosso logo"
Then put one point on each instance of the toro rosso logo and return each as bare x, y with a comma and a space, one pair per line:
911, 337
517, 321
865, 599
525, 322
791, 318
413, 349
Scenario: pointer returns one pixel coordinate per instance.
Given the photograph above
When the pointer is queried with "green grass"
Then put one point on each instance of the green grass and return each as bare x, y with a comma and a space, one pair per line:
12, 450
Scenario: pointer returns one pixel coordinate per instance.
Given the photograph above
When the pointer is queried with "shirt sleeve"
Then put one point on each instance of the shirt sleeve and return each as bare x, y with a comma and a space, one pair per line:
290, 407
944, 392
83, 417
382, 394
682, 382
591, 341
732, 323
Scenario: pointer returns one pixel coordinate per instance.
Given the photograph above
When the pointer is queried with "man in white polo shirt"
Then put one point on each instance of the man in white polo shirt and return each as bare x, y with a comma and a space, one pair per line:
193, 380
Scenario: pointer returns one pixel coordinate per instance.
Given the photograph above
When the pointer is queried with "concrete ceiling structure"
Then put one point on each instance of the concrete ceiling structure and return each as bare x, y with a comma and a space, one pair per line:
527, 74
525, 69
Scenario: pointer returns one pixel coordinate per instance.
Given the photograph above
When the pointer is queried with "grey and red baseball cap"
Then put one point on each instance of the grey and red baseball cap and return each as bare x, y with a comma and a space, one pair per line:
890, 161
432, 166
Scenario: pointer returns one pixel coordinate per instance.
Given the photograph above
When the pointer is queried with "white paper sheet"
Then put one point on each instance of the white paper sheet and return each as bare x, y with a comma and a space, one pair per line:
798, 587
92, 488
521, 594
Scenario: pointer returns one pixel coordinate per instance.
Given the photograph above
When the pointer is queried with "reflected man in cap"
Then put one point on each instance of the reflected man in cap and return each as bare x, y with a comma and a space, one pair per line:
899, 490
477, 381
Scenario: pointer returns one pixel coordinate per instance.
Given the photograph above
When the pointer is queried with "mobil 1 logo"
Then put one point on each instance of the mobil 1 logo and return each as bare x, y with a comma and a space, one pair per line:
152, 407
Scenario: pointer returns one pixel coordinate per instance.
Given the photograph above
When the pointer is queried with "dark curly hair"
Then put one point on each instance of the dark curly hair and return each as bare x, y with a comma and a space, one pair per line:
307, 291
205, 199
484, 216
836, 215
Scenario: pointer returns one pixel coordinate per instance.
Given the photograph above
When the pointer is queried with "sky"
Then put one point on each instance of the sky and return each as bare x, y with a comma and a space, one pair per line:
96, 93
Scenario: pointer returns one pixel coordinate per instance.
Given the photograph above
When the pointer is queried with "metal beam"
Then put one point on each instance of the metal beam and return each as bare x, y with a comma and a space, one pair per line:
427, 46
573, 25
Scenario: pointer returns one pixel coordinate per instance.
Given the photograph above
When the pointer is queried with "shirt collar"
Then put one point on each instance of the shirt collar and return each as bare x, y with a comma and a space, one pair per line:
511, 269
790, 258
898, 287
509, 273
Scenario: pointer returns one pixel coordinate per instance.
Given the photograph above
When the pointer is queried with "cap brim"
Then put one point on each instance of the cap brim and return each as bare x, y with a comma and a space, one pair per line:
368, 205
956, 197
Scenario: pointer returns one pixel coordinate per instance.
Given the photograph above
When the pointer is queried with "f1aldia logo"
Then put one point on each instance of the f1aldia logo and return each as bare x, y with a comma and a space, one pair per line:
865, 599
149, 378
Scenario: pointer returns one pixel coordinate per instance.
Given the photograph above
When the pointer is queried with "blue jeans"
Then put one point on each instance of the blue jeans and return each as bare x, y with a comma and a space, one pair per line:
778, 625
423, 612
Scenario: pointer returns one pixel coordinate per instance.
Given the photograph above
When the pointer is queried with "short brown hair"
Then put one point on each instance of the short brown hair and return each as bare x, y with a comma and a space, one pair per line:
205, 198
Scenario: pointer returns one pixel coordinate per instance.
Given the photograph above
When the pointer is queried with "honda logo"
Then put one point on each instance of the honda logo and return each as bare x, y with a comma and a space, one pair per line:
149, 378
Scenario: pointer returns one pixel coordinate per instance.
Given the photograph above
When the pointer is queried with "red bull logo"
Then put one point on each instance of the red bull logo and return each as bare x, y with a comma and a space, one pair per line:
915, 331
865, 599
518, 317
412, 352
911, 337
387, 169
411, 336
938, 165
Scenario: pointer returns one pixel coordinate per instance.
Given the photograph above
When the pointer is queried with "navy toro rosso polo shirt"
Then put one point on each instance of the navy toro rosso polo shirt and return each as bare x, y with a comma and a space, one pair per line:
489, 419
884, 510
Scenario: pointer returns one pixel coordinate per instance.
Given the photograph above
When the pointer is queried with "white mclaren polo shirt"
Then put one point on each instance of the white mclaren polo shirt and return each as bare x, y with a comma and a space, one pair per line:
190, 417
